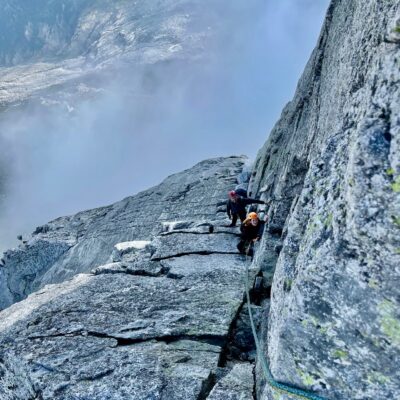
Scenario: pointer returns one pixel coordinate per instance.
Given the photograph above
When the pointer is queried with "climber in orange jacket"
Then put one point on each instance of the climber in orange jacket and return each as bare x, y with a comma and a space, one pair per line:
252, 229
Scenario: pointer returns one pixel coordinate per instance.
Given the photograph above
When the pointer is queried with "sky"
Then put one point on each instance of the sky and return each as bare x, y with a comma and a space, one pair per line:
154, 121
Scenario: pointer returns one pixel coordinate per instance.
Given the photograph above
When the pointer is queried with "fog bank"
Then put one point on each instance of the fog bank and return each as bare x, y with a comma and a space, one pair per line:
148, 121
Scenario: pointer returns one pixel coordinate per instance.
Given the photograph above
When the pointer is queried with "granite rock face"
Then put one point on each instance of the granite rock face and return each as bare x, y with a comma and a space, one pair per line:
142, 303
75, 244
143, 299
331, 170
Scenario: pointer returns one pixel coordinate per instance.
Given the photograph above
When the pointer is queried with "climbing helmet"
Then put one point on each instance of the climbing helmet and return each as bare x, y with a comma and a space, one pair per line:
252, 216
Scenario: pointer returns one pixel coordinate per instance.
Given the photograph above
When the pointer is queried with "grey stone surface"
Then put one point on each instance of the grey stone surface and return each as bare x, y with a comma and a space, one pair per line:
182, 243
81, 242
238, 384
331, 170
195, 265
108, 322
97, 368
123, 336
151, 322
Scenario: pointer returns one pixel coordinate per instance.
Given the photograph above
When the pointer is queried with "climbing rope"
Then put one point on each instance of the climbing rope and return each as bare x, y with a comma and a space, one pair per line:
277, 386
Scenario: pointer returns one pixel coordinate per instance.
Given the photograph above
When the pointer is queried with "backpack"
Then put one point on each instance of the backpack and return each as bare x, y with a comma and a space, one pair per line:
241, 192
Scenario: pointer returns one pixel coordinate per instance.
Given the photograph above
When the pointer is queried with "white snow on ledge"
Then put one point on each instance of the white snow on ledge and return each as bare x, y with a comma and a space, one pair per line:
170, 225
135, 244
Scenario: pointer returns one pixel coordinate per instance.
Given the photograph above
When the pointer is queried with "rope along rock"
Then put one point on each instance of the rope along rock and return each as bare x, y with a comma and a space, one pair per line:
277, 386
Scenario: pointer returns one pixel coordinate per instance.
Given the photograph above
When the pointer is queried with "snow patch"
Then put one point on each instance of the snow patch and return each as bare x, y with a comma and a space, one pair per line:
169, 226
135, 244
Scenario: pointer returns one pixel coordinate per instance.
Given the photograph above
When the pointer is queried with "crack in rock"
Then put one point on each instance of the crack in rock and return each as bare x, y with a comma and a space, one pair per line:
207, 387
200, 253
124, 341
200, 233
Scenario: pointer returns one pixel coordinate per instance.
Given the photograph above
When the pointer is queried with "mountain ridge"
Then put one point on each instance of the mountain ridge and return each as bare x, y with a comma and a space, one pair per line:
159, 314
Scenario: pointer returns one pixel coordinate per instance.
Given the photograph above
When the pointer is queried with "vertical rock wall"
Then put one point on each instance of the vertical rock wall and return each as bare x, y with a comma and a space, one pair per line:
331, 170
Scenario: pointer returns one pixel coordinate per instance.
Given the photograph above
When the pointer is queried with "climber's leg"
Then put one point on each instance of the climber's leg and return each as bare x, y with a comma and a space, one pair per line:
241, 247
242, 215
248, 246
234, 220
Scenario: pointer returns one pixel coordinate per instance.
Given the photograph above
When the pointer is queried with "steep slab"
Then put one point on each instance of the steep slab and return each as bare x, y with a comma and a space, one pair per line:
123, 336
74, 244
152, 323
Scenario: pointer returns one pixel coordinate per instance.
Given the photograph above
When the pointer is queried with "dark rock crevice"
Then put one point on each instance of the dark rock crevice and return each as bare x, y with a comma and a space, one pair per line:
240, 346
226, 352
199, 233
254, 372
199, 253
137, 272
125, 341
207, 387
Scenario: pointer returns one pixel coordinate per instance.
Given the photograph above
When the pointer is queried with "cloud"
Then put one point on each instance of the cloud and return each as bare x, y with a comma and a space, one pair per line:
151, 120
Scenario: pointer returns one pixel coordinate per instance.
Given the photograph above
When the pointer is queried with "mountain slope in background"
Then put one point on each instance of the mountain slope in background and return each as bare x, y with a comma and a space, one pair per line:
58, 42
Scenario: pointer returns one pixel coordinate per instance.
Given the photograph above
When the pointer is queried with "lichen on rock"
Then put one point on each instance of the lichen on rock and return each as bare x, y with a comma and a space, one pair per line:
332, 184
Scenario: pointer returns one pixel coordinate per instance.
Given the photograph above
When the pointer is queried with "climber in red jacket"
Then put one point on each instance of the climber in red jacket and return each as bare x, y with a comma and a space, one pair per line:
236, 206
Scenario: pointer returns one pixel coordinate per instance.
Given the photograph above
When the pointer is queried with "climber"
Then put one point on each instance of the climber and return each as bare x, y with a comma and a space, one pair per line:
252, 230
236, 206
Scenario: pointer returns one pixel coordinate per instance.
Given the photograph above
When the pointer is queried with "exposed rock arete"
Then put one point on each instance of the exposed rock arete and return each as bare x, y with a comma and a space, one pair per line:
149, 303
143, 299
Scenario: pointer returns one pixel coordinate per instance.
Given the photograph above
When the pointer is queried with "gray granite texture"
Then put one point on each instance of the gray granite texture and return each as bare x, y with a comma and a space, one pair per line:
138, 300
331, 170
